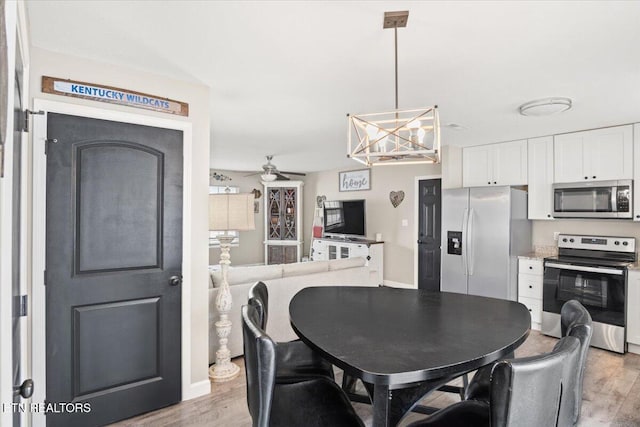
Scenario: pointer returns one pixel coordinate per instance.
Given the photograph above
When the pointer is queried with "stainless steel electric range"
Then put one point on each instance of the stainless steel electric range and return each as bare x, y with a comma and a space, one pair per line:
592, 270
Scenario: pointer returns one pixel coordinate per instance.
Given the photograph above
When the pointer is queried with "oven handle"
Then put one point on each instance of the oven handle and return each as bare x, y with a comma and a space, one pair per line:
587, 269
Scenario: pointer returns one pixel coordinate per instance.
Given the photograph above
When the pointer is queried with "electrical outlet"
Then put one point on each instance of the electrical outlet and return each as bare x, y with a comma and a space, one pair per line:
555, 235
405, 222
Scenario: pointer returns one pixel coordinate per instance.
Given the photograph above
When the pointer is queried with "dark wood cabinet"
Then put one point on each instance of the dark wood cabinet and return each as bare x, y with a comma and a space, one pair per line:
281, 254
283, 221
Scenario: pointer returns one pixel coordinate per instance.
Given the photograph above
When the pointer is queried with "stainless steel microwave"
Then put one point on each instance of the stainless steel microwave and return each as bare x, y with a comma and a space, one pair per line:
595, 199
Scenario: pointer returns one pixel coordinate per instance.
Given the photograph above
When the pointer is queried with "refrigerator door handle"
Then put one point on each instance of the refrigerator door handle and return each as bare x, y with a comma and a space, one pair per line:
470, 258
465, 241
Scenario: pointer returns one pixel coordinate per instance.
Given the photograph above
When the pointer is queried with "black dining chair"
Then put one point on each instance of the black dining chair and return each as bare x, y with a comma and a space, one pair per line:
295, 360
316, 402
525, 392
575, 321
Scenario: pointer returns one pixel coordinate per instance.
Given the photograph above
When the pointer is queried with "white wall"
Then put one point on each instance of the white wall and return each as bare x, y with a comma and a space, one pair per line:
57, 65
382, 217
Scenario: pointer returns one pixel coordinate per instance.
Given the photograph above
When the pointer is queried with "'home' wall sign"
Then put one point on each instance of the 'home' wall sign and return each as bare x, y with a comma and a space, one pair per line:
113, 95
359, 180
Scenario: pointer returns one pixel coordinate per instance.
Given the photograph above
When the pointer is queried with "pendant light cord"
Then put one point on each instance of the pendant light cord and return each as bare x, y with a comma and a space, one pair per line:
395, 31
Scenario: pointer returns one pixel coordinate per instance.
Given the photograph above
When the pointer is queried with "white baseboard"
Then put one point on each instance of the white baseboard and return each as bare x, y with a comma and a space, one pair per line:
393, 284
633, 348
198, 389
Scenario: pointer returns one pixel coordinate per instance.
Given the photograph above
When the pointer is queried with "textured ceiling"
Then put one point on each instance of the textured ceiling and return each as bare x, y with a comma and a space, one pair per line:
283, 75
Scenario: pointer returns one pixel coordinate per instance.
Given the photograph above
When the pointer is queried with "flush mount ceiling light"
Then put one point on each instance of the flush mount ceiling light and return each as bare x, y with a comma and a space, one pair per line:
396, 136
545, 107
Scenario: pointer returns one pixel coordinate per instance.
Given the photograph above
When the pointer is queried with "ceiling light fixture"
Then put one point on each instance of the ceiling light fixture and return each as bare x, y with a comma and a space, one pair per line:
545, 106
268, 176
397, 136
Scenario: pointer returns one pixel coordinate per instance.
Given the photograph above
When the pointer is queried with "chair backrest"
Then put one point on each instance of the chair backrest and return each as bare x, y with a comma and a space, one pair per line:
526, 392
259, 365
260, 294
575, 321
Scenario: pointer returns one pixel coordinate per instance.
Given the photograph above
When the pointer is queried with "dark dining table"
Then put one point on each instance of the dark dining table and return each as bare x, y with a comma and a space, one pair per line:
405, 343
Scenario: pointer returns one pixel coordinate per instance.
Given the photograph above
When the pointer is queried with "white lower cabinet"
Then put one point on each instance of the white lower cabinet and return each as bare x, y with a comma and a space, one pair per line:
371, 251
633, 311
530, 279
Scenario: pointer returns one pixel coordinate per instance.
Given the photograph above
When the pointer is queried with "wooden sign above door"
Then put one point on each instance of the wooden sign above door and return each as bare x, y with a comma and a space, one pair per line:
113, 95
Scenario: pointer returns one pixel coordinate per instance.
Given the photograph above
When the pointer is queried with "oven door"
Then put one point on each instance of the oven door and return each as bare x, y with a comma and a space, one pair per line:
601, 290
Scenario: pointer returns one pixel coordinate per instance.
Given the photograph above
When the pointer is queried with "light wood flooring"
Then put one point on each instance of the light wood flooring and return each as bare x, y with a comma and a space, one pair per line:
611, 395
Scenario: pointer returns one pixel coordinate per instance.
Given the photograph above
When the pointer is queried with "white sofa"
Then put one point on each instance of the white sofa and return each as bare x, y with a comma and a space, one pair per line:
283, 282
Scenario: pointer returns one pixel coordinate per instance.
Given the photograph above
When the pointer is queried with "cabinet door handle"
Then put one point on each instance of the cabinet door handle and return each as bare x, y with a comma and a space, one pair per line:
586, 177
494, 182
530, 287
594, 177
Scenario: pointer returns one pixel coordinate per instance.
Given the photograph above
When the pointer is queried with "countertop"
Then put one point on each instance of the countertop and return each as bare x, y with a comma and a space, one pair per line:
533, 256
635, 266
540, 252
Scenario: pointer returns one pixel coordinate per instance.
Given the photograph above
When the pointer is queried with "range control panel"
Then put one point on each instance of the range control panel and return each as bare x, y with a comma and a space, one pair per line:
600, 243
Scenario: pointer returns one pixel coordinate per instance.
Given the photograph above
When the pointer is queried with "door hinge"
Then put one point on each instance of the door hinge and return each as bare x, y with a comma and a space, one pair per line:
46, 143
25, 118
23, 307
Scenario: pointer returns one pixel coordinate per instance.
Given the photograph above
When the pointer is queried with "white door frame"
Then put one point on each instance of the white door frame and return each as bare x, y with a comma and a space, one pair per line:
416, 205
17, 45
39, 233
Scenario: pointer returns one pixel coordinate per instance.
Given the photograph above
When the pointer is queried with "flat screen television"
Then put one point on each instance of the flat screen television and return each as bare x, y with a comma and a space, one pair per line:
344, 218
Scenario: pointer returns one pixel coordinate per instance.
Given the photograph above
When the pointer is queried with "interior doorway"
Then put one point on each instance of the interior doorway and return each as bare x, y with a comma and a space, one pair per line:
429, 200
113, 268
189, 387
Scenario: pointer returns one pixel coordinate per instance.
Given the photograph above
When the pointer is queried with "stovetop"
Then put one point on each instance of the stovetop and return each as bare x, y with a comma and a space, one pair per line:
590, 262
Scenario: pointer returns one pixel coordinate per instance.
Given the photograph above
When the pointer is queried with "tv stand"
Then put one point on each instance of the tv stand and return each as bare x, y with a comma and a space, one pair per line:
327, 248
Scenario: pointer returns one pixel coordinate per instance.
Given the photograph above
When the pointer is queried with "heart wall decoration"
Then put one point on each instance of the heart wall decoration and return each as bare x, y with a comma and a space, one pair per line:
320, 201
396, 198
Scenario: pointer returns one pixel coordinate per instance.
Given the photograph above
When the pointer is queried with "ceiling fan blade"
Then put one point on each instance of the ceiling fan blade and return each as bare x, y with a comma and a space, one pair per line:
282, 177
252, 174
294, 173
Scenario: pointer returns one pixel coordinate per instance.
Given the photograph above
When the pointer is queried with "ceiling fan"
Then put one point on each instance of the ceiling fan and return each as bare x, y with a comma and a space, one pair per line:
270, 172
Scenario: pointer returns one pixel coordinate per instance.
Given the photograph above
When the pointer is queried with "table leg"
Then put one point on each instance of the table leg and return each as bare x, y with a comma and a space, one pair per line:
381, 405
396, 403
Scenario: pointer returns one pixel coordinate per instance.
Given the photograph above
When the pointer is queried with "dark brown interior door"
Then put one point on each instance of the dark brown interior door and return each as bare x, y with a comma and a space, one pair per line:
429, 224
114, 248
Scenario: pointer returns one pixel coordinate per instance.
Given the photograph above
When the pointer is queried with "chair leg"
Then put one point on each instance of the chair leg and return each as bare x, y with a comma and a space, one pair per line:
348, 383
465, 385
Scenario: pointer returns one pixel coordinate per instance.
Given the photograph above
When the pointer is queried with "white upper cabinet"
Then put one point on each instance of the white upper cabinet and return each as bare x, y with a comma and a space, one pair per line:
594, 155
475, 166
540, 169
495, 164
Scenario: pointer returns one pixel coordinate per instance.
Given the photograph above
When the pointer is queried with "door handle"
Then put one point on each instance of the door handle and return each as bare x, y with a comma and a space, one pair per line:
175, 280
420, 241
25, 389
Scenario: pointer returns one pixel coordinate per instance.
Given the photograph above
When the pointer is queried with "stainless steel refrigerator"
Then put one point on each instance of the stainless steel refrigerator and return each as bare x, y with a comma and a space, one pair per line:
484, 230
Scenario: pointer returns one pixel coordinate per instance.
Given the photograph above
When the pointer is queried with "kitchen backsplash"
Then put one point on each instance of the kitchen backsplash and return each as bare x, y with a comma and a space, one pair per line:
542, 232
542, 250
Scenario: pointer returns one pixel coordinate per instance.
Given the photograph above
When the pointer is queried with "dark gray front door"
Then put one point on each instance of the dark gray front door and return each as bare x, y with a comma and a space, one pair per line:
429, 224
114, 250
